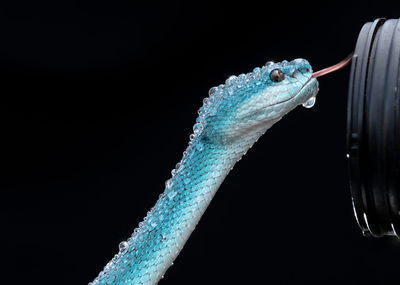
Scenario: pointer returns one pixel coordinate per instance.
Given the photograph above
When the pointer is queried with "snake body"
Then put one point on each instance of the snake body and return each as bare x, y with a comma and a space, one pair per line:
230, 121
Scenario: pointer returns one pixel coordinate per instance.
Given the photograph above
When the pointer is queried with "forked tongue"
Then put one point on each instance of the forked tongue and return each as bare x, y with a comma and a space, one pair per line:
310, 102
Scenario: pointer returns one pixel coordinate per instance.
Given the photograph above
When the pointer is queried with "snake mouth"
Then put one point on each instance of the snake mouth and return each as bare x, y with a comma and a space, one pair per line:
308, 82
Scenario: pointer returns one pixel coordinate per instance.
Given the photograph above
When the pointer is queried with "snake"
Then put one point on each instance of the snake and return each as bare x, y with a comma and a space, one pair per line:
232, 118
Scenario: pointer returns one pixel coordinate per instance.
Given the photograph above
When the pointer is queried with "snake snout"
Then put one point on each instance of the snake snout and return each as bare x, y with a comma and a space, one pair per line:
297, 74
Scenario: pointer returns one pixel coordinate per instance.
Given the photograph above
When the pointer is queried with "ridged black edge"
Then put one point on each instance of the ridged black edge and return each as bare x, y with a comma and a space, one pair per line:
373, 134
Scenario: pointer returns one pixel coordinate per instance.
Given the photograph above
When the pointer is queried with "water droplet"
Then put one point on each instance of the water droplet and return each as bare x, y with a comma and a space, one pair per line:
122, 245
191, 137
242, 76
177, 166
297, 61
168, 183
163, 238
269, 63
185, 153
256, 70
212, 91
107, 266
309, 103
205, 101
230, 79
186, 180
173, 172
197, 128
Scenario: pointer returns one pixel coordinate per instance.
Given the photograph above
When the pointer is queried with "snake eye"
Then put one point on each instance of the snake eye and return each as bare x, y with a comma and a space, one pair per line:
276, 75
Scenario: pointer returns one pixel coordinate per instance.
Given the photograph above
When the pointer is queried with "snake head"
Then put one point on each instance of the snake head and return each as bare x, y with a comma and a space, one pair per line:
248, 104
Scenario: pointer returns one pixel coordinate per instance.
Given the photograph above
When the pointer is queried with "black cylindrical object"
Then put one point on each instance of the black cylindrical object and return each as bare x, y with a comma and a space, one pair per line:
373, 128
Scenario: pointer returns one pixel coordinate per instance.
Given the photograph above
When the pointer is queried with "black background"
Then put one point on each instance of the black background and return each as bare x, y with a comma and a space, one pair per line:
97, 102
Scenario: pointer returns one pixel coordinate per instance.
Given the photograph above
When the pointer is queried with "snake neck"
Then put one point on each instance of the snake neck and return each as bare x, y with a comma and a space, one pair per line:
155, 244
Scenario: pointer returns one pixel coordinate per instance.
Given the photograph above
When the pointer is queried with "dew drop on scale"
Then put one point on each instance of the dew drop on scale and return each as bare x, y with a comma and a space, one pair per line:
230, 79
122, 245
310, 102
212, 91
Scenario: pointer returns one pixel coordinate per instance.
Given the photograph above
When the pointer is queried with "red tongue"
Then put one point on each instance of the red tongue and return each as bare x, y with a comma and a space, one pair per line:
332, 68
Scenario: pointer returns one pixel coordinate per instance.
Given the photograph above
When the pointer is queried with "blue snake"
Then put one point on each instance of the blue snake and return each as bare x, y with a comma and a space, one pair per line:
231, 120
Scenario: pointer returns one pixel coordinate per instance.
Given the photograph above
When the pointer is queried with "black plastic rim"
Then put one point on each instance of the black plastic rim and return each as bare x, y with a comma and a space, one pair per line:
373, 128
